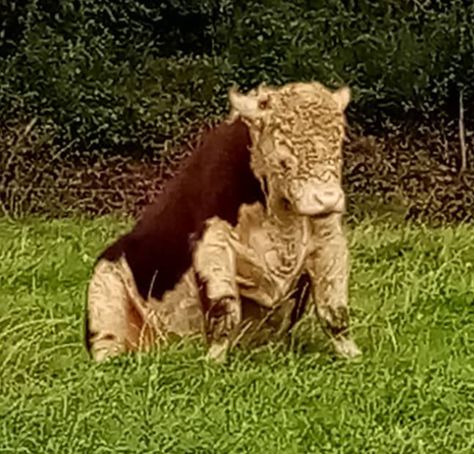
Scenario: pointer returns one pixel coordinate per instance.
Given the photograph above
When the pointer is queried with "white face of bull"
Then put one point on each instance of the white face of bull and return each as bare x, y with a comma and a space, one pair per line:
297, 132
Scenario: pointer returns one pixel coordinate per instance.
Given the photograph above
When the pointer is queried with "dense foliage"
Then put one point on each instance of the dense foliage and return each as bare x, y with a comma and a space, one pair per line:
112, 73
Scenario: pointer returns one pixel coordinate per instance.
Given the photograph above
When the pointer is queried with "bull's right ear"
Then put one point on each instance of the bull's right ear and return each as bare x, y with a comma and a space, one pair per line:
342, 96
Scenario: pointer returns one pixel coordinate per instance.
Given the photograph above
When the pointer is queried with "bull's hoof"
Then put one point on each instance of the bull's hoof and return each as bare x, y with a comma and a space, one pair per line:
347, 348
217, 352
106, 349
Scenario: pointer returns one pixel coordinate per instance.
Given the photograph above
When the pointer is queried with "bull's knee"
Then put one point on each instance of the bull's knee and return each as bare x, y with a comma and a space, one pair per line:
222, 320
215, 260
223, 317
334, 319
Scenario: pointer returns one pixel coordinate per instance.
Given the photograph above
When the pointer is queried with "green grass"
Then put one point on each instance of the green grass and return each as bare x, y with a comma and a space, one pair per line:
412, 293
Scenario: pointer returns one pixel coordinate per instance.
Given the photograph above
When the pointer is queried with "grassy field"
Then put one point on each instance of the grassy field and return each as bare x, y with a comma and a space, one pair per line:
412, 293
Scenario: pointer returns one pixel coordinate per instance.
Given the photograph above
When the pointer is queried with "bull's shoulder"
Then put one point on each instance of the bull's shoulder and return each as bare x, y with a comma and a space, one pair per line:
226, 180
214, 181
250, 217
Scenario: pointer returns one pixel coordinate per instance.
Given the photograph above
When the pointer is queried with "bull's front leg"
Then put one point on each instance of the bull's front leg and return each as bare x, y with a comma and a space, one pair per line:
328, 267
215, 268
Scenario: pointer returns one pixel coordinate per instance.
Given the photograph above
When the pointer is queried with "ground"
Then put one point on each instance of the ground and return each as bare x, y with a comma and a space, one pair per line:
412, 293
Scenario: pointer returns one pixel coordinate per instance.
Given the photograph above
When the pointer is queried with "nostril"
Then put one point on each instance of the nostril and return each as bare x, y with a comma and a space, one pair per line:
329, 198
331, 194
325, 196
317, 197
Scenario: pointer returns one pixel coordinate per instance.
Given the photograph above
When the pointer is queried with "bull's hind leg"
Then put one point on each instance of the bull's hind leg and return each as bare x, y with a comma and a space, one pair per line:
114, 322
215, 268
329, 271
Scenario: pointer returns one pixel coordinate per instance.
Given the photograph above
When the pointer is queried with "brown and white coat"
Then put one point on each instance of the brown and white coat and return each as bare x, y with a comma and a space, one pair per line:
246, 233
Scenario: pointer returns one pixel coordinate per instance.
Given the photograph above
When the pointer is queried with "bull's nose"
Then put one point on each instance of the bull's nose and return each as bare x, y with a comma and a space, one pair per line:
318, 199
329, 198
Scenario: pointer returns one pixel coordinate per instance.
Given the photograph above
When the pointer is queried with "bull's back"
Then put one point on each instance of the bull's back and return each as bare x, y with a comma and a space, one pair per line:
214, 181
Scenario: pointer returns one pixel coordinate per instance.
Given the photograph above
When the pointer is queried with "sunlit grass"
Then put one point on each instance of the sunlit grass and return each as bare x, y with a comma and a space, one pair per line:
412, 296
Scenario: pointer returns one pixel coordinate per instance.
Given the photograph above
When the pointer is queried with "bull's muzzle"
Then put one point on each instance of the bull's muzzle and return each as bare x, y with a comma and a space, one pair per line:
319, 198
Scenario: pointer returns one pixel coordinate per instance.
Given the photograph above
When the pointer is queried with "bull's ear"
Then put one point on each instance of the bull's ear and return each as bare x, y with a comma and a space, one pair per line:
342, 96
246, 106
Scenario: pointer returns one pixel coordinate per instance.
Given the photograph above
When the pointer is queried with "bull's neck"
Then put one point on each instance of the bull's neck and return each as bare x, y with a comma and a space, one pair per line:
288, 228
286, 220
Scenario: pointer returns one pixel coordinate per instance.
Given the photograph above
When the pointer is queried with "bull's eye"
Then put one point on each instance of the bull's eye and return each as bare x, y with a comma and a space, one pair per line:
263, 104
285, 165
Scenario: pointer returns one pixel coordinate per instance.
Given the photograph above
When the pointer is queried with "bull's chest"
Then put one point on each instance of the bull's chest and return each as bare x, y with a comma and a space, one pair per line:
275, 257
283, 251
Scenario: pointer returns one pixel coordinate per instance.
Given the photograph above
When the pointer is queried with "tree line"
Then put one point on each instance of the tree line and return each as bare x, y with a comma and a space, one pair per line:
110, 73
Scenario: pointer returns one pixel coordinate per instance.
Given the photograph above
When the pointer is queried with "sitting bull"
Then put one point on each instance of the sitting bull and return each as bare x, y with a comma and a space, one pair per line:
248, 231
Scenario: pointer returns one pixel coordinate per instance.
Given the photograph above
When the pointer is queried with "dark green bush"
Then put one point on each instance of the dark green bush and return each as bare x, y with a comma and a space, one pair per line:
405, 59
136, 71
103, 71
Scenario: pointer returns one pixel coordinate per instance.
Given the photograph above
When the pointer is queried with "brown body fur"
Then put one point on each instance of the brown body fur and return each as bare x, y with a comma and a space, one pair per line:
215, 180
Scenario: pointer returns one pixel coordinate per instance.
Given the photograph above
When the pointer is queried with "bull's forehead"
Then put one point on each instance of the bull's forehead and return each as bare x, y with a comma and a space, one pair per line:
305, 119
297, 129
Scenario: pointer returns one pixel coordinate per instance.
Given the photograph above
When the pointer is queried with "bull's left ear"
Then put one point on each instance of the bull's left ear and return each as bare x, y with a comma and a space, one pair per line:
247, 105
342, 96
